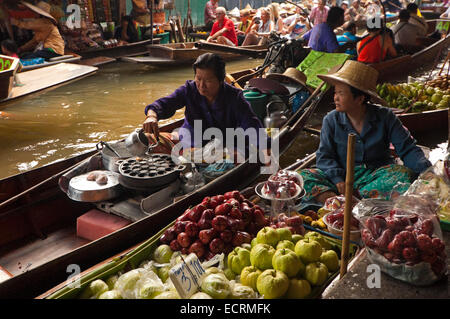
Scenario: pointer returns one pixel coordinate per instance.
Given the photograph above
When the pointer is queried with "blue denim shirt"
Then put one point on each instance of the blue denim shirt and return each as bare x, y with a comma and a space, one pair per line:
229, 110
381, 127
322, 38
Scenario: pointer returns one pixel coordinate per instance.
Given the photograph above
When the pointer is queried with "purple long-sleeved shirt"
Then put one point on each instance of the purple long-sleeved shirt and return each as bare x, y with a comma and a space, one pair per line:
229, 110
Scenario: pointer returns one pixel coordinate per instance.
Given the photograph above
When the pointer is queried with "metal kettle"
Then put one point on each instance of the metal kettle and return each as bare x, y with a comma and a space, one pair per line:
277, 114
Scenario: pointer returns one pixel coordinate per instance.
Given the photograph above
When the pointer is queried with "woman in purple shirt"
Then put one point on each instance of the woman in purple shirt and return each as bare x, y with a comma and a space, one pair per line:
375, 127
209, 101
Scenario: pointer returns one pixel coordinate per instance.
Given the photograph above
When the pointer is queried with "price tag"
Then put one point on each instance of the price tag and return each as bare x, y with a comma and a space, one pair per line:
187, 275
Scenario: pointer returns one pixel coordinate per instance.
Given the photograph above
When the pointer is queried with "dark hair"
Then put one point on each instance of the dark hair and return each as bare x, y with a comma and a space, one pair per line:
211, 61
412, 7
350, 26
335, 14
404, 15
9, 45
356, 93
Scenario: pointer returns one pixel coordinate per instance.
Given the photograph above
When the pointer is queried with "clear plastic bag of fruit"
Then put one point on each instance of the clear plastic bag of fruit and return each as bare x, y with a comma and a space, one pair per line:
403, 237
434, 184
335, 216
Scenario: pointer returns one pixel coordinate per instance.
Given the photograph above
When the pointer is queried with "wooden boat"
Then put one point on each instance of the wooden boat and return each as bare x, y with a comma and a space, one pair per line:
254, 51
49, 77
68, 58
174, 54
117, 51
38, 231
422, 122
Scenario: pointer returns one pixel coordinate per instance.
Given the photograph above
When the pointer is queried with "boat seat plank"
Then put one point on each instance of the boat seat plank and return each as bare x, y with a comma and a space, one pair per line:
37, 251
43, 78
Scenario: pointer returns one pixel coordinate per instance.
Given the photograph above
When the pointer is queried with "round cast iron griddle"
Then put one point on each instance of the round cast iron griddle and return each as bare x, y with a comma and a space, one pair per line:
149, 172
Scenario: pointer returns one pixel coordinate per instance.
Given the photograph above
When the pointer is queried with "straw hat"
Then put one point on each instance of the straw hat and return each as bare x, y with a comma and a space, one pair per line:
42, 8
357, 75
290, 75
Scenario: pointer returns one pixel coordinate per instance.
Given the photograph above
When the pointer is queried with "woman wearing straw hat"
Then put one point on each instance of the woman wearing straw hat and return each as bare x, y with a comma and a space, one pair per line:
47, 41
376, 175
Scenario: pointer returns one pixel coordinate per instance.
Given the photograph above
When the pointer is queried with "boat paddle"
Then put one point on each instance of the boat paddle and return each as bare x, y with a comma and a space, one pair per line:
348, 202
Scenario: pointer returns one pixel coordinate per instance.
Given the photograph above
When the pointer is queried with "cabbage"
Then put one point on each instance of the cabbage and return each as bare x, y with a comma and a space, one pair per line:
111, 281
94, 289
112, 294
126, 283
168, 295
216, 285
162, 254
240, 291
200, 295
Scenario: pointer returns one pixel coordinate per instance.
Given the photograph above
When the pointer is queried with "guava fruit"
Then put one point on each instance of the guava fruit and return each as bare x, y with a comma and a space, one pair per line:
284, 234
316, 273
298, 289
261, 256
330, 259
272, 284
286, 244
238, 259
249, 276
287, 261
269, 236
308, 250
94, 289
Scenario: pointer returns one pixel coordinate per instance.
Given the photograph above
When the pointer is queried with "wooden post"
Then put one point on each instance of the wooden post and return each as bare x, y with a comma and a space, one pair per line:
348, 202
151, 21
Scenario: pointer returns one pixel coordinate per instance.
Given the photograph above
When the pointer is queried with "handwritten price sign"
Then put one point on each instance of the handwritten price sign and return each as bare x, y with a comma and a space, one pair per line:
186, 276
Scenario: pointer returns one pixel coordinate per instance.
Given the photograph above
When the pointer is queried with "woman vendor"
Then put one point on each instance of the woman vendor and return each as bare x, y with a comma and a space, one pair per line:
207, 98
376, 175
47, 41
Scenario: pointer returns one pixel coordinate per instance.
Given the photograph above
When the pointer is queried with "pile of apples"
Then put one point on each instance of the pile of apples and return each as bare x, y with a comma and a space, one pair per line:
216, 225
405, 238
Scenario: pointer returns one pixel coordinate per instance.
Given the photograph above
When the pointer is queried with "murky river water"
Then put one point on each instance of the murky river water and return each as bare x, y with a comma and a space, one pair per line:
71, 119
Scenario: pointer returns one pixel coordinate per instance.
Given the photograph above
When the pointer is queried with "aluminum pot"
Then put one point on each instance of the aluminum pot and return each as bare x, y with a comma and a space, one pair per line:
82, 190
137, 143
113, 154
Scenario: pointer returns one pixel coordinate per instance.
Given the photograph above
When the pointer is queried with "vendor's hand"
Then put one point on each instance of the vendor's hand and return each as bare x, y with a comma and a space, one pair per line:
341, 188
151, 126
209, 39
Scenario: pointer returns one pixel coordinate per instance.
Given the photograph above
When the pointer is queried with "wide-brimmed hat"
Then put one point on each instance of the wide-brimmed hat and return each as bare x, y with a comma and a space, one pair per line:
290, 75
268, 86
358, 75
42, 8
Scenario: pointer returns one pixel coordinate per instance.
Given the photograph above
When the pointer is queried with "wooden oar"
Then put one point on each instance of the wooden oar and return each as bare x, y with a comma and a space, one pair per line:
348, 202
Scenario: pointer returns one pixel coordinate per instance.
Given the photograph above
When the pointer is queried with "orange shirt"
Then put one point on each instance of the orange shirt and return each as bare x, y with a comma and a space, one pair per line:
371, 52
44, 31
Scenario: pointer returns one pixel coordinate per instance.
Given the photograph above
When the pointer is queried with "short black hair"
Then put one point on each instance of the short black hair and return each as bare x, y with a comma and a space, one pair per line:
356, 92
404, 15
9, 45
213, 62
335, 14
412, 7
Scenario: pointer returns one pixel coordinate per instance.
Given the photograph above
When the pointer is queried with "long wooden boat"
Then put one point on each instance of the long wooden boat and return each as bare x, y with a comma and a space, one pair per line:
117, 51
254, 51
175, 54
38, 231
46, 78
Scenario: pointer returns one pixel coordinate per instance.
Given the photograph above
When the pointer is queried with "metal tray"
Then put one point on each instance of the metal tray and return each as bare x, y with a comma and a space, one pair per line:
82, 190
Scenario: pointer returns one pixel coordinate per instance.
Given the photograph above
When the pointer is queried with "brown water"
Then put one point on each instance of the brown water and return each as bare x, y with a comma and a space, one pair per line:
72, 119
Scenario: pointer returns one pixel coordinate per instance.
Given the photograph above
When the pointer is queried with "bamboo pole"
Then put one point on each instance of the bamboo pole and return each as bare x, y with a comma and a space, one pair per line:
348, 202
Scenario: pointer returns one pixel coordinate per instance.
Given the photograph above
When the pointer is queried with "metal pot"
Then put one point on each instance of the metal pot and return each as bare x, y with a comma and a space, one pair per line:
137, 143
277, 115
113, 154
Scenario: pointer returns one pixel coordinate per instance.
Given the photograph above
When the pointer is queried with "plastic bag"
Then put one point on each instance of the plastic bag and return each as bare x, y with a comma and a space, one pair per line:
335, 216
434, 184
403, 237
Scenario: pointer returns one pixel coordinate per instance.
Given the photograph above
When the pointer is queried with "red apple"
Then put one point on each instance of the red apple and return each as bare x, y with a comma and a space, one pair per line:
194, 214
383, 241
438, 245
179, 226
410, 254
184, 250
208, 214
204, 223
294, 221
407, 238
235, 224
424, 243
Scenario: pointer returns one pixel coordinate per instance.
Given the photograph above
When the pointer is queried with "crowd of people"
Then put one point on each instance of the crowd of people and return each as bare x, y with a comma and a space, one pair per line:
325, 26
